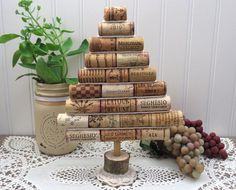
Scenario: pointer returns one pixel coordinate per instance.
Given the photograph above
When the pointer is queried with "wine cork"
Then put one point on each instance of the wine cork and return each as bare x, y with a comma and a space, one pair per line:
117, 75
72, 121
157, 88
92, 76
82, 106
72, 135
117, 90
150, 134
143, 74
104, 121
85, 91
115, 13
153, 104
115, 28
118, 105
100, 60
105, 60
135, 120
130, 44
118, 135
99, 44
132, 59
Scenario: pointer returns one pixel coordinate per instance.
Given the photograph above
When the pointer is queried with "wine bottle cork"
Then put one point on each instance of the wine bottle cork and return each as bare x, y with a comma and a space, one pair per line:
99, 44
143, 74
157, 88
150, 134
132, 59
117, 75
85, 91
105, 60
153, 104
117, 90
100, 60
92, 76
135, 120
118, 105
115, 13
82, 106
118, 135
104, 121
115, 28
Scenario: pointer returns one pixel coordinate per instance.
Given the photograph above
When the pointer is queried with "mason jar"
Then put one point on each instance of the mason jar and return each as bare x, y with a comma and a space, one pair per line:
49, 102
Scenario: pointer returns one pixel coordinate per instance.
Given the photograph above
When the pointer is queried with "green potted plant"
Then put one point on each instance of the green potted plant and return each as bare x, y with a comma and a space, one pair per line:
44, 49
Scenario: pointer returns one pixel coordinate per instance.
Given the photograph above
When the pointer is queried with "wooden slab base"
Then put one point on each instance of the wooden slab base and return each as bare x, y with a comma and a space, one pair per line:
116, 164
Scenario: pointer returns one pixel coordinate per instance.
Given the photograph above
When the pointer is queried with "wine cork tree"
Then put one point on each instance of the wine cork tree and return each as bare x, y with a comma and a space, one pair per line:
118, 97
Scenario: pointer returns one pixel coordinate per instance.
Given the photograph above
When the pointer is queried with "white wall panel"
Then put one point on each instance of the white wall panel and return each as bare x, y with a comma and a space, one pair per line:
192, 43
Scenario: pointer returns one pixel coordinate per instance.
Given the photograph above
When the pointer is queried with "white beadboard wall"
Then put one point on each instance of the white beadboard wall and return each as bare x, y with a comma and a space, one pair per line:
191, 42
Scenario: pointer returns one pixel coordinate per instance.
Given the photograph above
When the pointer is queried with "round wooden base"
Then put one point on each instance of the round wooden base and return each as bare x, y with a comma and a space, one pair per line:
116, 180
116, 164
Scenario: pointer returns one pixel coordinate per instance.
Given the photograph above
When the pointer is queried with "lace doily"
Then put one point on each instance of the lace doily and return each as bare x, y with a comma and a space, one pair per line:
23, 167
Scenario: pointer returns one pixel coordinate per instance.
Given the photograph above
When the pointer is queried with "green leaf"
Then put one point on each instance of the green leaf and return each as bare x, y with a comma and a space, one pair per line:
67, 31
27, 74
46, 73
52, 47
26, 49
29, 66
37, 32
72, 81
39, 51
7, 37
25, 3
67, 45
58, 19
27, 60
16, 57
83, 48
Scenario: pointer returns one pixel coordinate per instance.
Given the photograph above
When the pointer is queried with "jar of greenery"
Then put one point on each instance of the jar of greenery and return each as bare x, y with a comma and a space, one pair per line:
44, 50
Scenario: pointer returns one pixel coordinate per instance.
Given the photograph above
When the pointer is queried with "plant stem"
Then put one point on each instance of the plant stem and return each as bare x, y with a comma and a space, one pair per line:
48, 36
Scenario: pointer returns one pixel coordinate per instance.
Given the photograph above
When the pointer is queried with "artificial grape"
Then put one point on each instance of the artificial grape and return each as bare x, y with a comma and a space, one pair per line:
199, 135
212, 134
190, 146
223, 154
201, 149
173, 130
178, 138
193, 137
217, 139
206, 145
185, 140
181, 163
198, 123
220, 145
184, 150
187, 169
196, 144
192, 130
176, 152
181, 129
214, 150
186, 134
197, 152
212, 143
194, 123
187, 158
195, 174
176, 146
208, 138
169, 148
191, 154
204, 135
193, 162
201, 141
187, 122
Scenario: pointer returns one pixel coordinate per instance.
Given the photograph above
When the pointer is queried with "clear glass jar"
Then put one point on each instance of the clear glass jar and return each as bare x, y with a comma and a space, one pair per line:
49, 102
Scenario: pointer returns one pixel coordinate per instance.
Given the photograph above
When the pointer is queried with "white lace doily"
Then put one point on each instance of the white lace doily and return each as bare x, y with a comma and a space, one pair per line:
23, 167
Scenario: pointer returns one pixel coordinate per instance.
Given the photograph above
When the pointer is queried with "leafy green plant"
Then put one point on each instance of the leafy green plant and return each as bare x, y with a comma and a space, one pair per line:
43, 47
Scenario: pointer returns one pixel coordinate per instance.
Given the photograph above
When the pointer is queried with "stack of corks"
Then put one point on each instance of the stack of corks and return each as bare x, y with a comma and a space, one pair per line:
118, 97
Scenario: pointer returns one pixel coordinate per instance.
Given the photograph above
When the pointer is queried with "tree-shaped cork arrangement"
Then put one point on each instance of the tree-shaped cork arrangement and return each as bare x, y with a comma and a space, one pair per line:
118, 97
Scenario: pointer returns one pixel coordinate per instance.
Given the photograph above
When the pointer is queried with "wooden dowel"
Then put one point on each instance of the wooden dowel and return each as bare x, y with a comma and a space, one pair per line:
116, 148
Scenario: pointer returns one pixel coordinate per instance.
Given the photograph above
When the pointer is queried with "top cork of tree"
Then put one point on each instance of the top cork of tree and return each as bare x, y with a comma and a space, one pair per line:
115, 14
